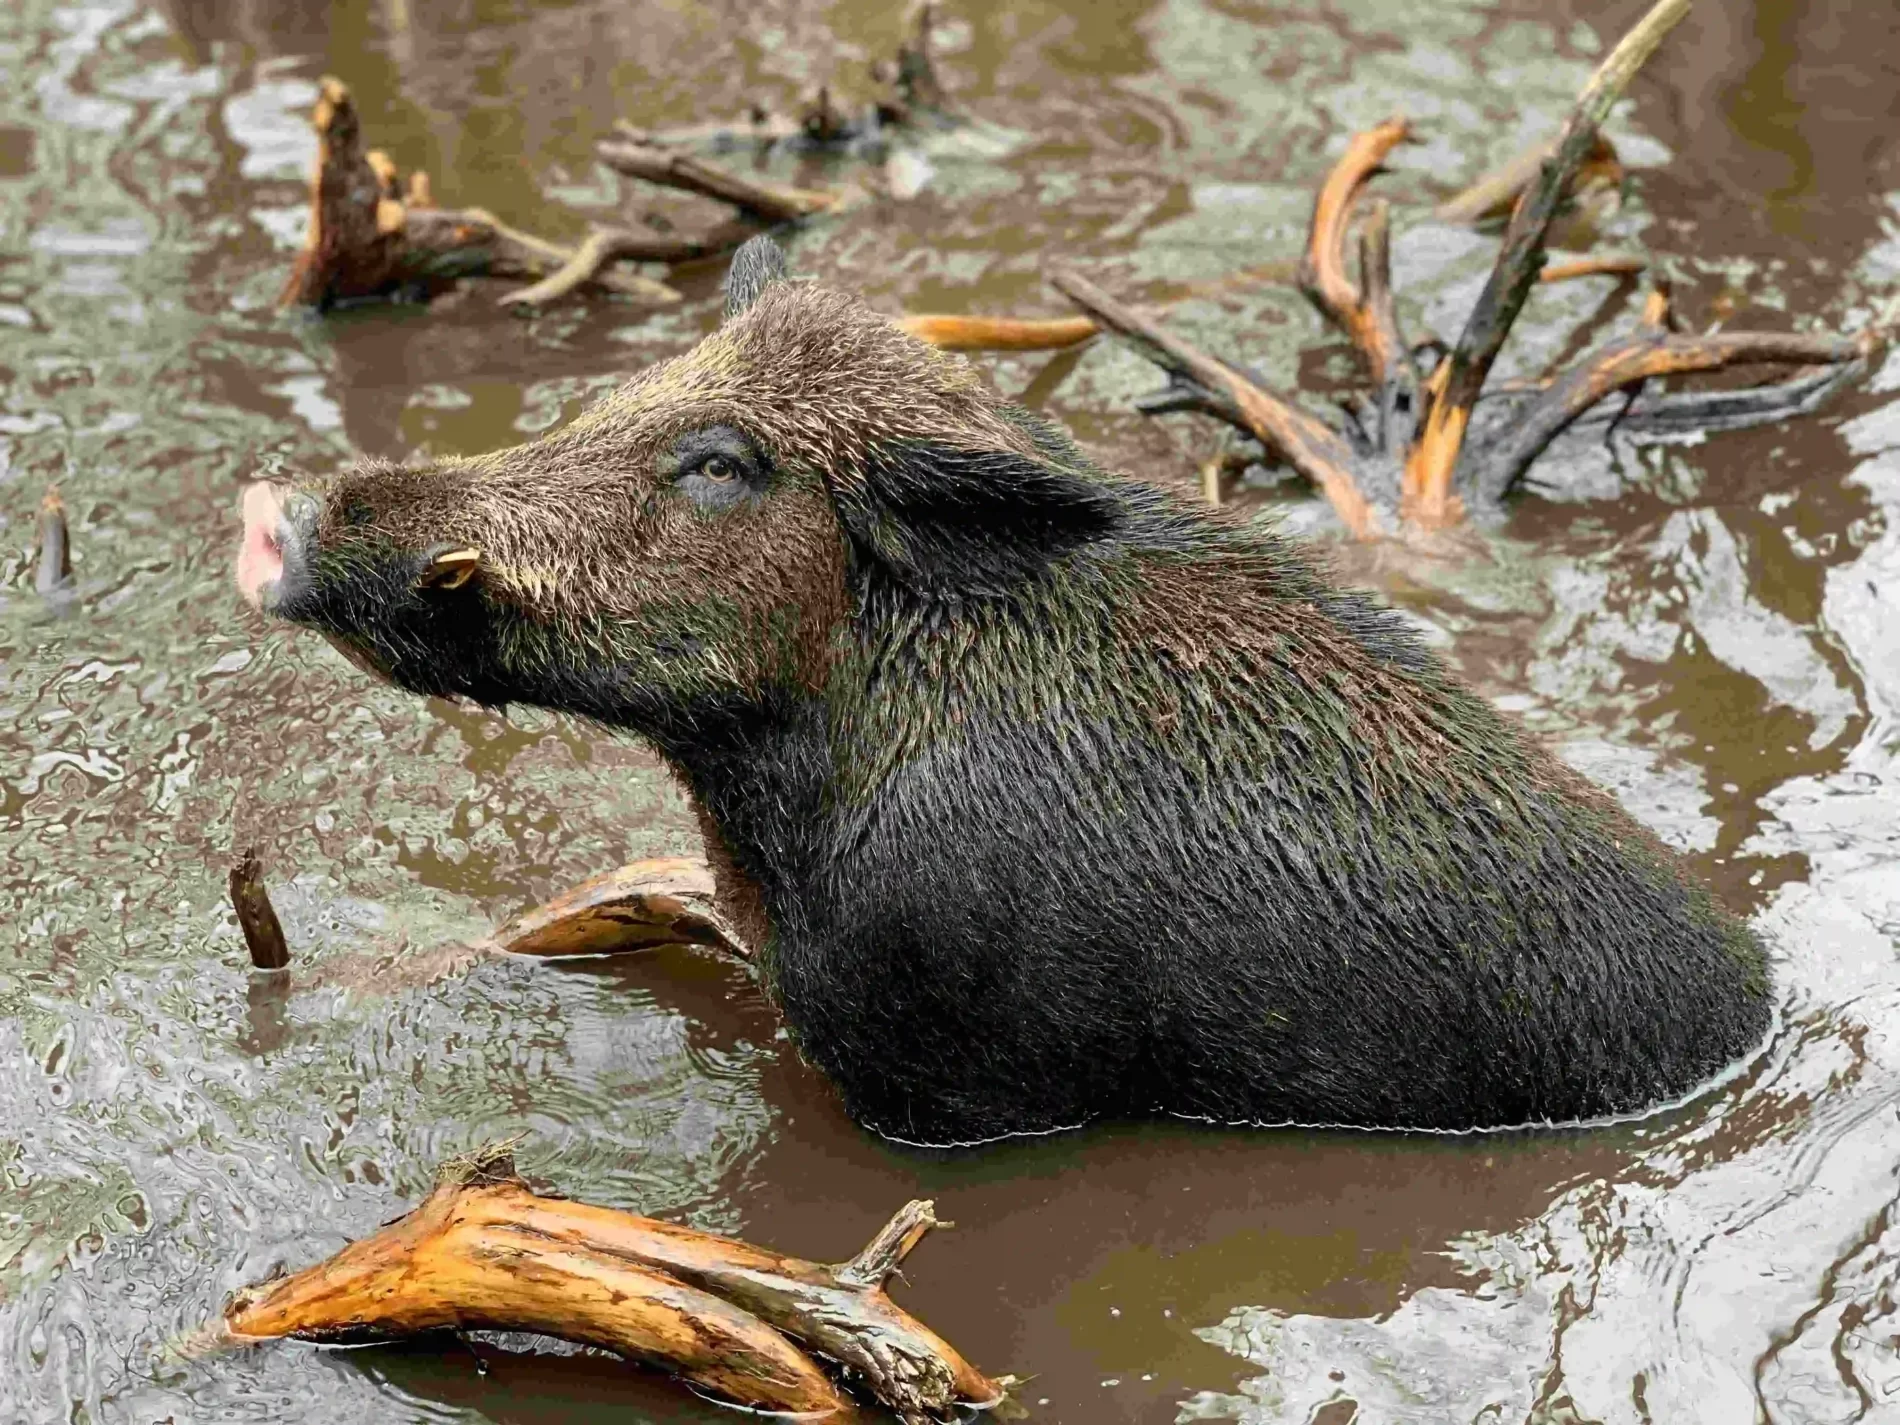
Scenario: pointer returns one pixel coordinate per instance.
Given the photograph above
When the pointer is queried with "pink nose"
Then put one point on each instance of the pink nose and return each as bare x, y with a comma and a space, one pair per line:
260, 559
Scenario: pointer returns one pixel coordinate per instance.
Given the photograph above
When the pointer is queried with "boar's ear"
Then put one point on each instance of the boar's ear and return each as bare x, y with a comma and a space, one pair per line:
946, 521
757, 264
449, 567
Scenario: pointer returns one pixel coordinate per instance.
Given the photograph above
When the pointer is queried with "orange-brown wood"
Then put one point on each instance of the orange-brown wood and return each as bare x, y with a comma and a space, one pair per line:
665, 901
1492, 196
954, 333
1323, 274
1608, 265
1304, 442
485, 1252
1426, 486
460, 1261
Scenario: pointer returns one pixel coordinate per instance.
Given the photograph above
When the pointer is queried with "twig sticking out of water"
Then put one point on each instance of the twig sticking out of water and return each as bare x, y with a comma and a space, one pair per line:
257, 918
55, 572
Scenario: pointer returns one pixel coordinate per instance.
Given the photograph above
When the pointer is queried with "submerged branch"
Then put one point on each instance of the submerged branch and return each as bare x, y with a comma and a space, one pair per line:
54, 573
999, 333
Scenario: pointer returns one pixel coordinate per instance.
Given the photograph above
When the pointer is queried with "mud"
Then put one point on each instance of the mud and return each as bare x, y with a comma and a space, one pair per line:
1716, 641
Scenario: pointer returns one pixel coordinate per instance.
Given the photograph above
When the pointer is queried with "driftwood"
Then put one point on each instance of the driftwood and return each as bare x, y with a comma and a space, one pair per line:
765, 203
975, 333
485, 1252
1597, 183
665, 901
1403, 460
373, 234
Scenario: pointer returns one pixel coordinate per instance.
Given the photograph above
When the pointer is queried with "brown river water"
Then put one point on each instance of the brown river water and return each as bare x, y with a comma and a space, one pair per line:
1712, 629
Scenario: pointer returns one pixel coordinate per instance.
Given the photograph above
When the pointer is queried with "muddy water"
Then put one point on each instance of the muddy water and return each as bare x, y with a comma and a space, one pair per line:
1709, 629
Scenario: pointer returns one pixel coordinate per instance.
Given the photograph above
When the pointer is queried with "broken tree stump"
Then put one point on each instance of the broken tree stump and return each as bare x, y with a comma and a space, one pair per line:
371, 235
1407, 459
485, 1252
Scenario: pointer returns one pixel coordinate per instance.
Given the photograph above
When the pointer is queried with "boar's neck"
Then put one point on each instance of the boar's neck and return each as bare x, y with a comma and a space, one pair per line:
757, 773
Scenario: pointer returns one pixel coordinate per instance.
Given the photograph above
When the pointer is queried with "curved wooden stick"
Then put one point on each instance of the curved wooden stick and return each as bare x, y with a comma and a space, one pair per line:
668, 900
1323, 274
1494, 193
1305, 443
1613, 264
605, 246
484, 1252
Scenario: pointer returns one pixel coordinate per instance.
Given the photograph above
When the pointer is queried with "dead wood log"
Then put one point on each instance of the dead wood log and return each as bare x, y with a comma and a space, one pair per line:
1403, 462
372, 236
484, 1252
1631, 360
1203, 383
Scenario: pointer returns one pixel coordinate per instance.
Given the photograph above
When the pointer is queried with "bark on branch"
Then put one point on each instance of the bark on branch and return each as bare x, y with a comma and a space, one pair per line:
771, 204
1303, 441
485, 1252
371, 236
1323, 275
1654, 352
999, 333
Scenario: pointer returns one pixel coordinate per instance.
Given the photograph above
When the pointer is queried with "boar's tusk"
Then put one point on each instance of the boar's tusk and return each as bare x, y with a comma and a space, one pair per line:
450, 569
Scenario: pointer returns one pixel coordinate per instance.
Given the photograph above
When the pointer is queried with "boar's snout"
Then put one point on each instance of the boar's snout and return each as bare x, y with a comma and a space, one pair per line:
278, 526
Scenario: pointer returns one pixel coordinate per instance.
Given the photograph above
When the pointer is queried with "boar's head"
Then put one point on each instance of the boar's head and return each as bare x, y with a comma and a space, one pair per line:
694, 541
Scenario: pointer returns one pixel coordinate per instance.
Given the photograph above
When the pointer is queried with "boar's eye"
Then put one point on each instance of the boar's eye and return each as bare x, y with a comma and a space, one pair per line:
717, 467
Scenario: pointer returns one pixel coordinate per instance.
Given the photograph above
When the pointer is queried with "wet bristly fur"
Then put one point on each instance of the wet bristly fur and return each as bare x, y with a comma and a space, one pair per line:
1044, 795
